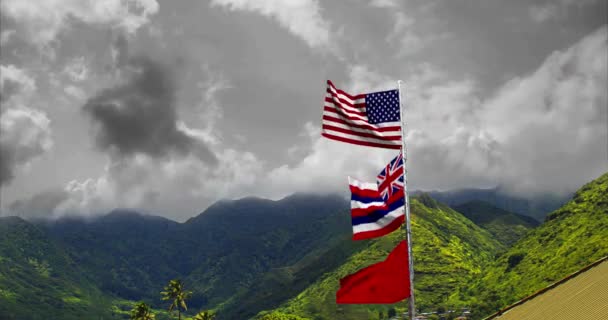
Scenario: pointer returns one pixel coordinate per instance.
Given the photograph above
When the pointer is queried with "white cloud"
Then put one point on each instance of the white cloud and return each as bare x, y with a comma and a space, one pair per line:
209, 108
15, 81
44, 19
25, 134
75, 92
77, 70
301, 17
170, 186
554, 122
544, 132
384, 3
173, 185
326, 167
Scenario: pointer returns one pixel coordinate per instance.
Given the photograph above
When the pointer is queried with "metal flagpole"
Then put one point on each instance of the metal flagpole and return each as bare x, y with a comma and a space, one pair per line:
408, 227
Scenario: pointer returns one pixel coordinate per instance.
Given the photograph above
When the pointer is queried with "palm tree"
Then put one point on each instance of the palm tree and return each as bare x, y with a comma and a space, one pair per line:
204, 315
141, 311
175, 293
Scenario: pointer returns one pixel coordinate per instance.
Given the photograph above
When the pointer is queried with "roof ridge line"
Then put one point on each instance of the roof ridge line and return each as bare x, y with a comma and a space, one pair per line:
547, 288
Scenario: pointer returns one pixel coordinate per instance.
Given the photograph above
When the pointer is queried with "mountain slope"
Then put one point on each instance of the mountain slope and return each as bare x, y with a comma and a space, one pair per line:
218, 253
246, 238
506, 226
122, 252
536, 207
39, 281
280, 284
572, 237
448, 250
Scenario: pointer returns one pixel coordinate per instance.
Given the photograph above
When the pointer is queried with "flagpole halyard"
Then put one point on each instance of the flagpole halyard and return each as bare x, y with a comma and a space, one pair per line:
408, 228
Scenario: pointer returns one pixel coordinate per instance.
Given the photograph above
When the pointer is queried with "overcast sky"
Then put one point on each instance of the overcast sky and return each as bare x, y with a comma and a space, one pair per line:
169, 106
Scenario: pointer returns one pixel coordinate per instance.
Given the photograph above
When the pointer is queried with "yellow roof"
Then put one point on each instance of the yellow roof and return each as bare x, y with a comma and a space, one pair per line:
582, 295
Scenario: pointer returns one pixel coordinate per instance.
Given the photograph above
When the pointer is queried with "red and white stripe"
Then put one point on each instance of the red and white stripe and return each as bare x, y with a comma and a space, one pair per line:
345, 119
383, 226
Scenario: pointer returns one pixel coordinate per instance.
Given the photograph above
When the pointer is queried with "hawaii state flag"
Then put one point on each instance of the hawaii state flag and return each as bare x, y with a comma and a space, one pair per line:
373, 216
377, 208
384, 282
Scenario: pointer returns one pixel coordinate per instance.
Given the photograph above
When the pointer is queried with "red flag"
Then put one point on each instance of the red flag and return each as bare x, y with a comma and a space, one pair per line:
384, 282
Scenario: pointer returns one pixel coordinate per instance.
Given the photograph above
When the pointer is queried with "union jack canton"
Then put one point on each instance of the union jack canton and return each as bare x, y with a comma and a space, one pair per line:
391, 179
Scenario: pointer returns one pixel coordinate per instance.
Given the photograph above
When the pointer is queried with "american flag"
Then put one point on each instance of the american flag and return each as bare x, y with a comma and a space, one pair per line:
391, 178
370, 119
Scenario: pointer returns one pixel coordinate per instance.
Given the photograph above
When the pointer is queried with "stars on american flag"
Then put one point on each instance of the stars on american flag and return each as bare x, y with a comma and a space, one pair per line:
382, 106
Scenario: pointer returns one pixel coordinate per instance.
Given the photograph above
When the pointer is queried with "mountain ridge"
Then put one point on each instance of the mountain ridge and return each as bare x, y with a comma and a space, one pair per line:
507, 227
248, 255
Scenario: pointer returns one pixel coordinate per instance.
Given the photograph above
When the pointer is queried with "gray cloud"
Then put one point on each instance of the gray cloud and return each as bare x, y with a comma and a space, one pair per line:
44, 20
273, 84
24, 132
14, 81
544, 132
24, 135
139, 116
40, 205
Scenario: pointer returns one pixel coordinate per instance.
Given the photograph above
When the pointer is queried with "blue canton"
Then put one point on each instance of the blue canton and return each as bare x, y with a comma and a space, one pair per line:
382, 106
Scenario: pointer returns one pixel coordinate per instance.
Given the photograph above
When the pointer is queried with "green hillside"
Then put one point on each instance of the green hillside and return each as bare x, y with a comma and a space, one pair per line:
507, 227
125, 256
449, 250
536, 206
39, 281
246, 239
572, 237
281, 284
245, 256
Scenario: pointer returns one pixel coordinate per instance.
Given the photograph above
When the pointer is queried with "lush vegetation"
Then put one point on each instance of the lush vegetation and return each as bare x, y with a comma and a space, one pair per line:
38, 280
448, 249
282, 260
108, 262
571, 238
280, 284
221, 252
535, 206
506, 226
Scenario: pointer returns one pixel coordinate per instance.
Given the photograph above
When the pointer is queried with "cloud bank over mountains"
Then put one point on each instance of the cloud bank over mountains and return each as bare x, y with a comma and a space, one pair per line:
169, 108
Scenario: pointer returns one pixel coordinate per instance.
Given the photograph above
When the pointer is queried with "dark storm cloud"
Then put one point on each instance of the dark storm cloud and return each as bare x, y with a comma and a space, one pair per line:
139, 116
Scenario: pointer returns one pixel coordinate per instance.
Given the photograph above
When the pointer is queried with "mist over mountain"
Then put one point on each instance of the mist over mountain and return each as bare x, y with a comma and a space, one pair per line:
536, 206
252, 257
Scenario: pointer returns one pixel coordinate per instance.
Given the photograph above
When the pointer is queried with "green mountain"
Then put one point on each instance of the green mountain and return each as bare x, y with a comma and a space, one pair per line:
38, 280
536, 206
279, 285
448, 248
245, 256
571, 238
218, 254
506, 226
242, 240
121, 252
